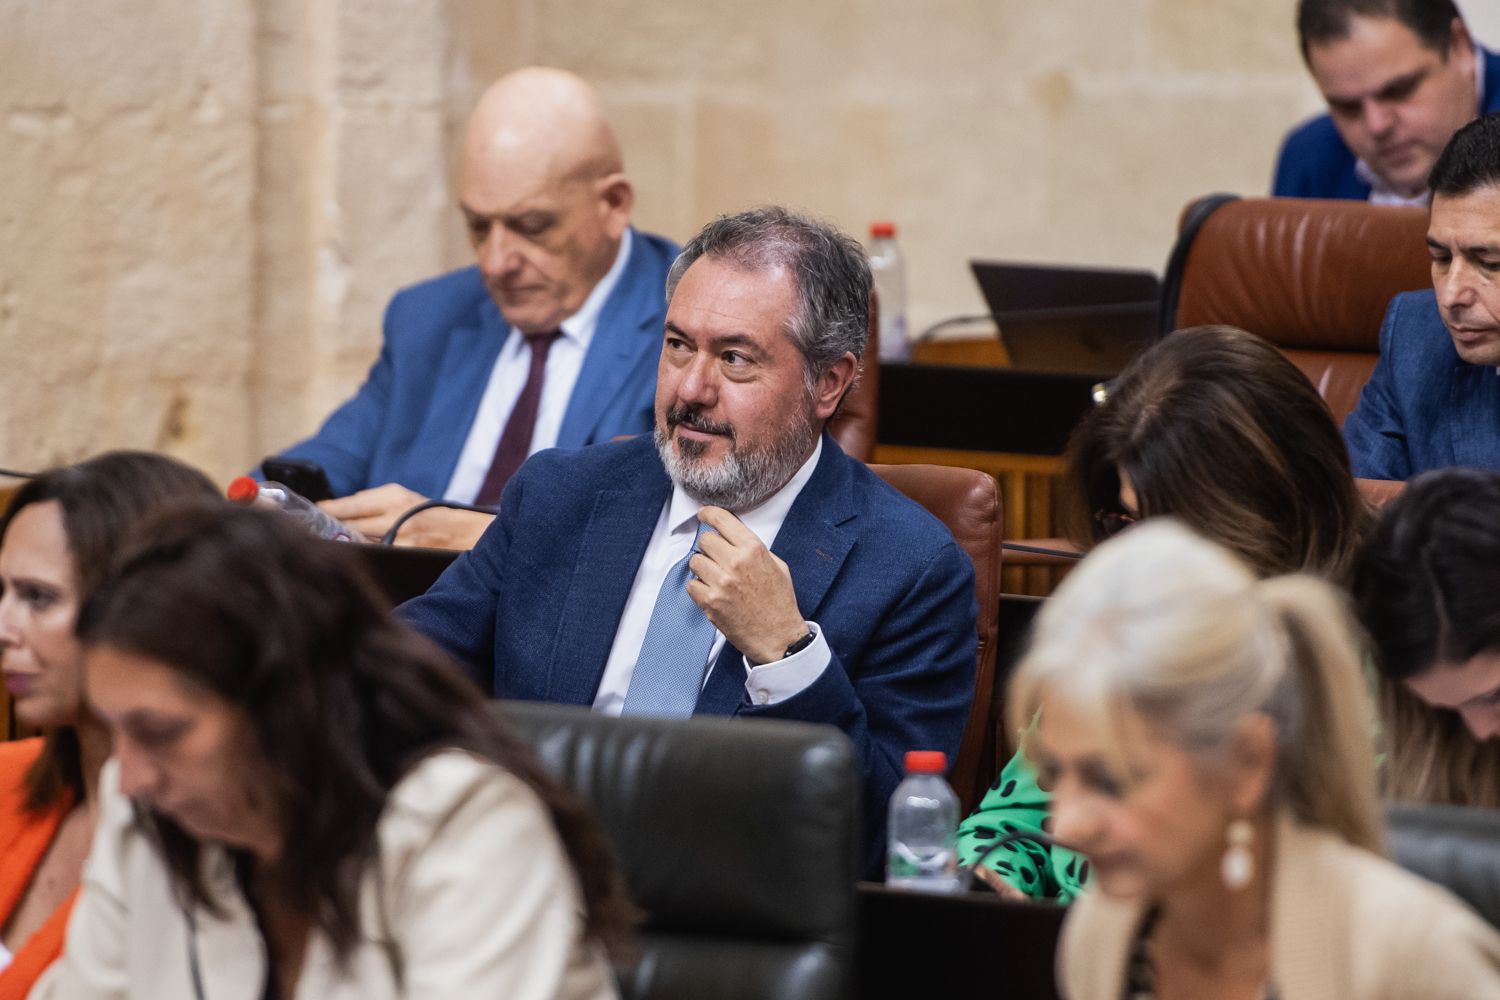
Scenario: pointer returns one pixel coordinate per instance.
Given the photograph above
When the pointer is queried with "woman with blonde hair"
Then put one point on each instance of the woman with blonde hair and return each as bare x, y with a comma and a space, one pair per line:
1204, 735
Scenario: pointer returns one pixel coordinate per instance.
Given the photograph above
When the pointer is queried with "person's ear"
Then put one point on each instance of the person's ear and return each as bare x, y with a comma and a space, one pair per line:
1460, 42
616, 199
830, 387
1252, 763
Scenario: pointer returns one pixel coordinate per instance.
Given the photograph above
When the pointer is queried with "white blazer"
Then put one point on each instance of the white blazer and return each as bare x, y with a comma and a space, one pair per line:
474, 897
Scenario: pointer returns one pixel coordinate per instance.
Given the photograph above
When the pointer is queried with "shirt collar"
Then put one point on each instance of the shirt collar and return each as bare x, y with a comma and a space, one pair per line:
764, 519
581, 325
1383, 194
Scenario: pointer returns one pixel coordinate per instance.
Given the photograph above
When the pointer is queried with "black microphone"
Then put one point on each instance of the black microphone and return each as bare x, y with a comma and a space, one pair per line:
1006, 840
389, 538
14, 474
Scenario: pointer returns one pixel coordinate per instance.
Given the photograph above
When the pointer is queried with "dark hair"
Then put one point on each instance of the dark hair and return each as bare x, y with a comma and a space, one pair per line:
1216, 427
832, 273
1322, 21
1427, 582
100, 498
1470, 161
343, 700
1426, 587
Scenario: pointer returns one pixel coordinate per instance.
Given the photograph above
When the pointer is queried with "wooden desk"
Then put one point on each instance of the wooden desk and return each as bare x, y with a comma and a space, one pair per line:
973, 945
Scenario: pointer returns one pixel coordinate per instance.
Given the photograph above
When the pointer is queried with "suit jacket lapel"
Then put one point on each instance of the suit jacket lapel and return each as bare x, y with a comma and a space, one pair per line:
814, 544
625, 341
465, 373
614, 543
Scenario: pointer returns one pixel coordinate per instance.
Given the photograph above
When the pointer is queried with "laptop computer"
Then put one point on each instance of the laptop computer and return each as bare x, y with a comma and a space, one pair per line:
1085, 320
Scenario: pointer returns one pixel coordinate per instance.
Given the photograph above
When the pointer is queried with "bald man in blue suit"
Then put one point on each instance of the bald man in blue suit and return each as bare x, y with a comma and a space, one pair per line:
549, 341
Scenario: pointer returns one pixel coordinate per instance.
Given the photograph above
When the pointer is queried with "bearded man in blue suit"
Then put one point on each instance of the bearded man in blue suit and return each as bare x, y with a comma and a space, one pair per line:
736, 562
550, 340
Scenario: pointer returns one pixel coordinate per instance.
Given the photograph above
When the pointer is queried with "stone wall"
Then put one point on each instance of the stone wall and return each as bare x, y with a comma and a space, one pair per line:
204, 206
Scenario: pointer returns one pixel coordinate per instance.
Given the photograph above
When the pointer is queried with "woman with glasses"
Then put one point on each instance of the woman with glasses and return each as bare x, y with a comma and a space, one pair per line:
1213, 426
1205, 735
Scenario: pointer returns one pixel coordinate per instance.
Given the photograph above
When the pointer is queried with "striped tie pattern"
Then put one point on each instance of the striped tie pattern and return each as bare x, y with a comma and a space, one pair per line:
674, 655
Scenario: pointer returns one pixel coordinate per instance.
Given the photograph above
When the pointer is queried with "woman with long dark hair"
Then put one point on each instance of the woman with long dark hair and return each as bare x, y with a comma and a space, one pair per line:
56, 538
323, 805
1213, 426
1427, 588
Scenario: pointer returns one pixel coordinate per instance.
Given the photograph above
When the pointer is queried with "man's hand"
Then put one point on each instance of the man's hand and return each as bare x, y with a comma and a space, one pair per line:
372, 512
444, 528
744, 589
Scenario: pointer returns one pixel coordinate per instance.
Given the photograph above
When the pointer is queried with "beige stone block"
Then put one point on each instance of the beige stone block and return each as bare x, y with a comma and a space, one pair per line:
391, 53
655, 136
1225, 37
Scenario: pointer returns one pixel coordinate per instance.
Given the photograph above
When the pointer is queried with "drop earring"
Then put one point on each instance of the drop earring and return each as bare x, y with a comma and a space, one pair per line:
1238, 866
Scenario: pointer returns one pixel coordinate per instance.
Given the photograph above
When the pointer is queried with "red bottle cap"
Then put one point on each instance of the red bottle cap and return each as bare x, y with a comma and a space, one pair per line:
244, 489
926, 762
882, 230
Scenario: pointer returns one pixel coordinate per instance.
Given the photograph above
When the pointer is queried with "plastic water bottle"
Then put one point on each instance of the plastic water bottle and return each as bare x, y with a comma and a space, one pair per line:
275, 496
922, 827
888, 268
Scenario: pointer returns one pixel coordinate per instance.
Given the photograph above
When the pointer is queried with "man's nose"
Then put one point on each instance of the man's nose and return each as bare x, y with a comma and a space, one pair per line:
1379, 116
700, 383
1454, 287
497, 253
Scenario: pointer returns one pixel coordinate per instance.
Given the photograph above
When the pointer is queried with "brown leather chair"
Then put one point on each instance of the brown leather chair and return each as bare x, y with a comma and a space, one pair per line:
1313, 277
968, 502
853, 427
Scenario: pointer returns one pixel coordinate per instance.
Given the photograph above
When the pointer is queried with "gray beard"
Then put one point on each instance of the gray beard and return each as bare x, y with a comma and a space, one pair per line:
743, 480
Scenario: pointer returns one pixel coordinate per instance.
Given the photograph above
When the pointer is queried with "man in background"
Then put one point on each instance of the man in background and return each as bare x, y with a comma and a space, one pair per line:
1400, 77
549, 340
1433, 400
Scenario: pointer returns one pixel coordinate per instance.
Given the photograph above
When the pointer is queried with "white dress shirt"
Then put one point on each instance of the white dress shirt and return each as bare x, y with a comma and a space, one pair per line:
508, 379
768, 683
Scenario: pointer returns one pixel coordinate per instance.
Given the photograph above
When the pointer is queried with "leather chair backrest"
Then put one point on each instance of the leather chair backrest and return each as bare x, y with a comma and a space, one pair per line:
1454, 846
968, 502
1313, 277
854, 426
738, 838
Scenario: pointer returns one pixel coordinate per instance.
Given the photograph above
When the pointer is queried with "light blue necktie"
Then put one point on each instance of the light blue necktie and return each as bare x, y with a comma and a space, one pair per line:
669, 673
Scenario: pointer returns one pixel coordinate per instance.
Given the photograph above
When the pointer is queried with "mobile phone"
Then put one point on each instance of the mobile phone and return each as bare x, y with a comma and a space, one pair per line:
299, 475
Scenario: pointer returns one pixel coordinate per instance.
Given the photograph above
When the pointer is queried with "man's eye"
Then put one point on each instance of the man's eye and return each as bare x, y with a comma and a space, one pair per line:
736, 358
479, 228
1344, 109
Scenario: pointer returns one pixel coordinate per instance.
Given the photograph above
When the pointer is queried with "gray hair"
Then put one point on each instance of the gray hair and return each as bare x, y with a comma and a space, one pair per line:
830, 267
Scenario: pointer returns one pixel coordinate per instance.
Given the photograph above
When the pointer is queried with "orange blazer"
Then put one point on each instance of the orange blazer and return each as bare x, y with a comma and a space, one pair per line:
24, 839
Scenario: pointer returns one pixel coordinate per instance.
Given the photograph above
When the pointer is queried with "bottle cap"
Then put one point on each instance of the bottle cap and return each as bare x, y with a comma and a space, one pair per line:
243, 490
926, 762
882, 230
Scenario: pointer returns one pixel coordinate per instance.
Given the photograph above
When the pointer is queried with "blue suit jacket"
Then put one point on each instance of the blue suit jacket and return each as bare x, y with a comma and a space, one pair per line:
408, 422
1424, 406
1315, 163
534, 606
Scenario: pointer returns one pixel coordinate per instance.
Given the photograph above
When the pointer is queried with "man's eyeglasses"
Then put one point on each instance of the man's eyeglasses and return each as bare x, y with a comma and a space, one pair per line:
1112, 522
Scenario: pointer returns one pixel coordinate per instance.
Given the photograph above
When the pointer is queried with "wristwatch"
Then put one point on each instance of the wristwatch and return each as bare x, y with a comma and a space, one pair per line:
800, 644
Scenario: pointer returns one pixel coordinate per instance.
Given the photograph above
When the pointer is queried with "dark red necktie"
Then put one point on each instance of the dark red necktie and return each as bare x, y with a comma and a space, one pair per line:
515, 440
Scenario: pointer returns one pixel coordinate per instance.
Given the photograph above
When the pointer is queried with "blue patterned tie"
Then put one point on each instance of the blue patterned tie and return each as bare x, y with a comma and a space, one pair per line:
669, 673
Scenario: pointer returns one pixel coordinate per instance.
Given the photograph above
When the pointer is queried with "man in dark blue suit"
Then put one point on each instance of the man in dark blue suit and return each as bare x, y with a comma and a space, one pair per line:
550, 340
737, 562
1433, 400
1400, 77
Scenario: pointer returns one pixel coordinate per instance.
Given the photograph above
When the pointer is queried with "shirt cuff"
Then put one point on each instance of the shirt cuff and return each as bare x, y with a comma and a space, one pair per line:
771, 683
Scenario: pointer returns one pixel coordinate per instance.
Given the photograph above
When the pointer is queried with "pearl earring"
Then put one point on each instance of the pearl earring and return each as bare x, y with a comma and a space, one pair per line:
1238, 866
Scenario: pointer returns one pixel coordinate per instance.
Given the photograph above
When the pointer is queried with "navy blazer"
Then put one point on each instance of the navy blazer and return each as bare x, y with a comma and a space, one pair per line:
408, 422
1315, 163
1424, 406
534, 606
